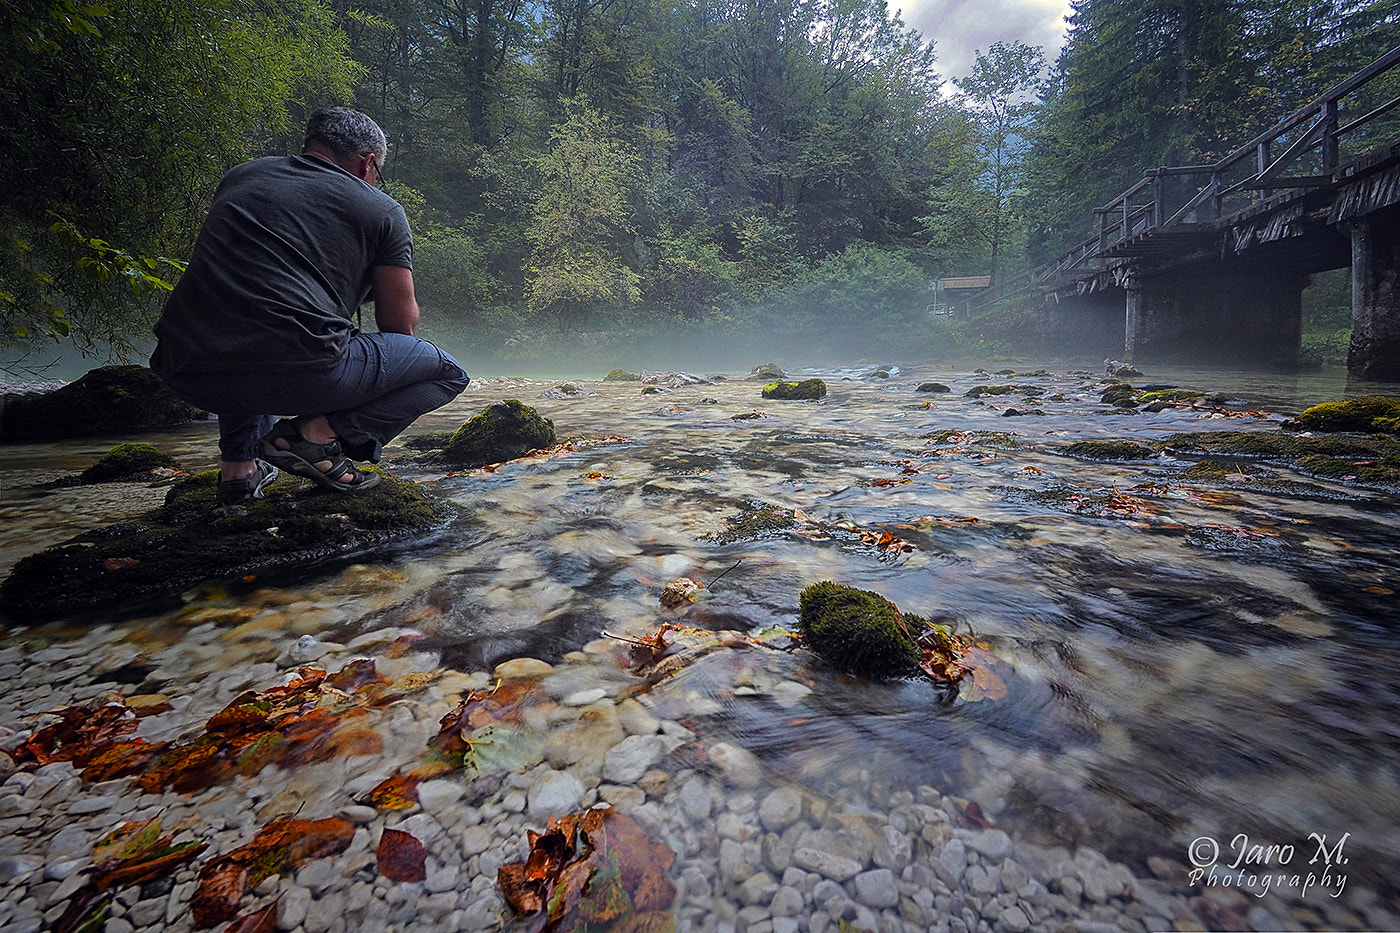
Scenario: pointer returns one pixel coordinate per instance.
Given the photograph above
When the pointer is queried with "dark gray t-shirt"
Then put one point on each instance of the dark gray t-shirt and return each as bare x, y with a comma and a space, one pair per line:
283, 260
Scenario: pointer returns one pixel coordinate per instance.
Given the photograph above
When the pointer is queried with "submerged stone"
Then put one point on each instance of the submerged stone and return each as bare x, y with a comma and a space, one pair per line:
1110, 450
191, 540
858, 632
108, 400
806, 390
1371, 413
502, 431
766, 372
979, 391
1120, 393
127, 461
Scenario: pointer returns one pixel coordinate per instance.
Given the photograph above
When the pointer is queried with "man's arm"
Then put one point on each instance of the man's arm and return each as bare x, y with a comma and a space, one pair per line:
395, 308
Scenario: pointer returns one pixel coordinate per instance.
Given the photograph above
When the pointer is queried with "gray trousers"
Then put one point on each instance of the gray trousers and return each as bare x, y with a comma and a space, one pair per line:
379, 387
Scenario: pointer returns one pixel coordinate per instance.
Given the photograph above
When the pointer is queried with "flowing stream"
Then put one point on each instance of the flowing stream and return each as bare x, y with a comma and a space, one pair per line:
1183, 660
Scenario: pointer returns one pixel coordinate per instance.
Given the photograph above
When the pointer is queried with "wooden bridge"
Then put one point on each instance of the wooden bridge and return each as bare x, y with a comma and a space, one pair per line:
1209, 262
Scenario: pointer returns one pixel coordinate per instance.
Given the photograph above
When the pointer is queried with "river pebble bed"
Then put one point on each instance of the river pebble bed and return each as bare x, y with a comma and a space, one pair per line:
755, 850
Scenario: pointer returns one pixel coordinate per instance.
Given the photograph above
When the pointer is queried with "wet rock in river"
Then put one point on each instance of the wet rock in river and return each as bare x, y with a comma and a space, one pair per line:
933, 387
502, 431
128, 462
806, 390
190, 540
766, 372
622, 375
857, 631
108, 400
1370, 413
1110, 450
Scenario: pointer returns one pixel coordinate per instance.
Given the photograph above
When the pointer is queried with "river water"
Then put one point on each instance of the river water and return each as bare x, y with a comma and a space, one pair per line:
1187, 663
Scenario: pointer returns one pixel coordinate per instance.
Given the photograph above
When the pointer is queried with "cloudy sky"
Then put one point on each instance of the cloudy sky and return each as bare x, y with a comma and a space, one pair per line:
961, 27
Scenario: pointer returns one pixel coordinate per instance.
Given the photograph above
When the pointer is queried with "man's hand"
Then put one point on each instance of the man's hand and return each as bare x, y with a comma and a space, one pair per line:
395, 308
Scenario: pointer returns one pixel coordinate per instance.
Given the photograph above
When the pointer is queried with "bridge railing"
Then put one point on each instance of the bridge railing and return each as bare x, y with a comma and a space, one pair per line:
1311, 139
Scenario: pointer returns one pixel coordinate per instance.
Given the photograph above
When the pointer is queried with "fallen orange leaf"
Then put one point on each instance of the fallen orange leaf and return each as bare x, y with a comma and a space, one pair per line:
401, 856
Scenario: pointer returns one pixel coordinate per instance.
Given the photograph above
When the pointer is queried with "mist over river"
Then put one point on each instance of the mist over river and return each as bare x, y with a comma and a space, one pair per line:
1200, 674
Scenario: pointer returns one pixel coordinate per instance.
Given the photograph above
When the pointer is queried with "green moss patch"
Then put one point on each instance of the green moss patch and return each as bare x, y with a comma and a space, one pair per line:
806, 390
128, 461
1370, 413
1383, 473
190, 540
1282, 446
757, 520
859, 632
979, 391
621, 375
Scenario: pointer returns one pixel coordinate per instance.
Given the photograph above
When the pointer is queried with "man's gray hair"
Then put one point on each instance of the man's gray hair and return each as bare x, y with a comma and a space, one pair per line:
346, 133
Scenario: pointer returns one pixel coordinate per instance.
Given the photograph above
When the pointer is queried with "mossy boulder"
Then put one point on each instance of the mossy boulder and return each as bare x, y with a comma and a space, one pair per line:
767, 372
1120, 393
502, 431
1377, 414
979, 391
1110, 450
859, 632
128, 461
622, 375
109, 400
806, 390
933, 387
190, 540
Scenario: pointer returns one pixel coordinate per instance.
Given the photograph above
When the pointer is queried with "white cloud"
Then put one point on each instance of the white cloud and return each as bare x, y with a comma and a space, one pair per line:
961, 27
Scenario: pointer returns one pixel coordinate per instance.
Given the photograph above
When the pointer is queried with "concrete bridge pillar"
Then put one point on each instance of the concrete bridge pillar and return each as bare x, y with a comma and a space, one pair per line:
1217, 314
1091, 325
1375, 297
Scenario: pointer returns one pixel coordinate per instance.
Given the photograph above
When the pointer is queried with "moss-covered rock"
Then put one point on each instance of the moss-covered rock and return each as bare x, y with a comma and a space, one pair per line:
428, 440
806, 390
191, 540
1120, 393
1282, 446
1370, 413
128, 461
859, 632
109, 400
1180, 395
1110, 450
1381, 473
979, 391
767, 372
621, 375
502, 431
756, 520
933, 387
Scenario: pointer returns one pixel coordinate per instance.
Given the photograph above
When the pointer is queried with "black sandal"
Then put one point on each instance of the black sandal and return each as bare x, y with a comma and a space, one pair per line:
234, 491
301, 456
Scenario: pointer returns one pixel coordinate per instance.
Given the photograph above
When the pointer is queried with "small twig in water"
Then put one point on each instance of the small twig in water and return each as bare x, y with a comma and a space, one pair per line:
630, 641
716, 579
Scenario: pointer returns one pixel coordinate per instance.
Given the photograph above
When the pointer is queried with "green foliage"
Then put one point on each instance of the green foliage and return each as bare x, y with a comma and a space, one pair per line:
980, 198
582, 219
120, 119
